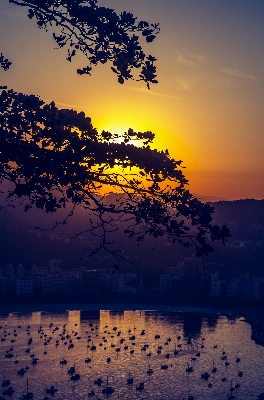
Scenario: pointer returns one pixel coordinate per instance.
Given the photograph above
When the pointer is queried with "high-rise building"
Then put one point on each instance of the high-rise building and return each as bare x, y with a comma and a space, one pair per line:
10, 271
91, 281
54, 265
192, 273
20, 271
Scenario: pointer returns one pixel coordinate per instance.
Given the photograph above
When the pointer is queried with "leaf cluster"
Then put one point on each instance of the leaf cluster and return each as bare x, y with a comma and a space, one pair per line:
99, 33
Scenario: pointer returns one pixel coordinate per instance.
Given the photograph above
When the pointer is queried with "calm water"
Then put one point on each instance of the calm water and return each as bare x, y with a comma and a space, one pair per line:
105, 330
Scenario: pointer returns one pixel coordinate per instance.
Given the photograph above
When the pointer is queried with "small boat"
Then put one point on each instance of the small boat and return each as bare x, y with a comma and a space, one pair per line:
205, 375
51, 390
189, 369
75, 377
150, 371
140, 386
21, 371
28, 395
130, 379
214, 368
6, 382
108, 389
98, 381
71, 370
9, 355
8, 391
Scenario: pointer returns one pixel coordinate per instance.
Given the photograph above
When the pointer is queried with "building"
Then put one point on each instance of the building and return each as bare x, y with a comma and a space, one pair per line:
192, 273
165, 283
54, 266
20, 271
24, 286
257, 287
10, 271
117, 283
240, 286
91, 280
54, 285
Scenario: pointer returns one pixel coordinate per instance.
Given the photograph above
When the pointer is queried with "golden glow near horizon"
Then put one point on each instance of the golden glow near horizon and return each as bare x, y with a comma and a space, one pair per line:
207, 108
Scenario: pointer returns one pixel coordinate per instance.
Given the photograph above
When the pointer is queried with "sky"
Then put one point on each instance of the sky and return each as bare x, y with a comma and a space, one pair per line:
207, 108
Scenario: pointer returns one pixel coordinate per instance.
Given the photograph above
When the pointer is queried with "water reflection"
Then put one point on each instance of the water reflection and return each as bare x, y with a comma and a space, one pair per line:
212, 320
119, 345
192, 325
90, 315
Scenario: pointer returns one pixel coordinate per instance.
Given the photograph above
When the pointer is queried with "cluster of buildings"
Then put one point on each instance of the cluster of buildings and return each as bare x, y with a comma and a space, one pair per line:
186, 277
189, 276
53, 279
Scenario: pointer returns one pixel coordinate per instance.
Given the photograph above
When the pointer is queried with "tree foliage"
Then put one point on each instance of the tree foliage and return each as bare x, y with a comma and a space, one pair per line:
99, 33
53, 157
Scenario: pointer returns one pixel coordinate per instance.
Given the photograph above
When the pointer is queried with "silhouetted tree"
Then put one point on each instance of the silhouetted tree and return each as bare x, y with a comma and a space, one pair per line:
54, 157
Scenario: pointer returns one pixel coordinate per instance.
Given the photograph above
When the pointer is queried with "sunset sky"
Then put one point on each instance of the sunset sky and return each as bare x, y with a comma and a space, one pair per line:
208, 107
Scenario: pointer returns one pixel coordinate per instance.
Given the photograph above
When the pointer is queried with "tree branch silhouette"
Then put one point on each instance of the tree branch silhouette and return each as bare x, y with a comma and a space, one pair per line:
99, 33
54, 157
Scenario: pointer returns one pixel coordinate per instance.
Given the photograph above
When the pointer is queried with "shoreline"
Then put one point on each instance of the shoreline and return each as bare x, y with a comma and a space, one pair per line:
12, 308
253, 317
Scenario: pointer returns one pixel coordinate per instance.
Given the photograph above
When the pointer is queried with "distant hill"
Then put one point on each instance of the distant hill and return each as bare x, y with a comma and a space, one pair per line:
22, 243
208, 198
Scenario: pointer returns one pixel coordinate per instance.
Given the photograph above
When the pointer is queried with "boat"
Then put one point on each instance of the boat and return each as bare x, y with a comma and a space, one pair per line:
130, 379
140, 386
51, 390
205, 375
98, 381
189, 369
28, 395
6, 382
21, 371
9, 355
108, 389
214, 368
71, 370
8, 391
75, 377
150, 371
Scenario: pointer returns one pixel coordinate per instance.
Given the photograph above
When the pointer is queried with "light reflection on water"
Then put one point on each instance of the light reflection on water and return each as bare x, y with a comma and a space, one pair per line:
217, 333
